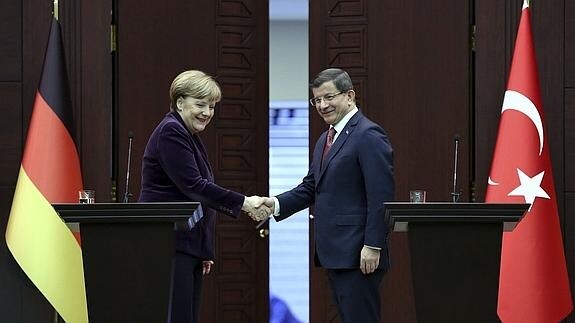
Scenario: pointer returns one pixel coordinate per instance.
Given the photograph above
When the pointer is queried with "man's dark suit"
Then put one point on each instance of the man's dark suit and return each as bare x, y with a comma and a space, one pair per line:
348, 193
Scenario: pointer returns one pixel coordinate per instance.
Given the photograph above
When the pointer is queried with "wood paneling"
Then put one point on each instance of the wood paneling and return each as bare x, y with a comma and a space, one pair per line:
399, 54
86, 39
423, 96
239, 139
410, 62
569, 195
36, 27
569, 43
10, 41
569, 240
10, 135
492, 58
494, 52
227, 39
548, 19
155, 43
397, 289
568, 123
93, 100
30, 25
11, 276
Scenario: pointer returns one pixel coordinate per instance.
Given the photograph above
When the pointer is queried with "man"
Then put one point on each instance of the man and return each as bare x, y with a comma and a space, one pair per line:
350, 178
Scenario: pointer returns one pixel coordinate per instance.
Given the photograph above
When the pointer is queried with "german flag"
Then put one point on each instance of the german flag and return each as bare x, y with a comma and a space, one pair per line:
39, 240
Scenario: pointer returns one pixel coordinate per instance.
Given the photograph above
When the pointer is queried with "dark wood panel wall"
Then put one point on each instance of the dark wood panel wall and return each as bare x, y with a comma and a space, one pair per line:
11, 84
338, 37
239, 142
229, 40
19, 75
23, 38
568, 124
424, 86
408, 61
155, 43
553, 27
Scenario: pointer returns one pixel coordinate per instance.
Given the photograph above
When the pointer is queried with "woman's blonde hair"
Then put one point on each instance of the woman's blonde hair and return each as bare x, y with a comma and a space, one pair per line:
195, 84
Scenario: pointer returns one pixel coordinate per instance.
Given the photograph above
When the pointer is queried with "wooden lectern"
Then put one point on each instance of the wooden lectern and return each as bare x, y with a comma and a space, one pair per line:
455, 256
128, 252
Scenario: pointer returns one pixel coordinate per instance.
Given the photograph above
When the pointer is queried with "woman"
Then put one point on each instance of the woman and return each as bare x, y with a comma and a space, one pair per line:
176, 168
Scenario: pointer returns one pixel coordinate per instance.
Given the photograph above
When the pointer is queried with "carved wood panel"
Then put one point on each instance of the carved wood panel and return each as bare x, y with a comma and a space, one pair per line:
410, 63
337, 25
241, 140
226, 39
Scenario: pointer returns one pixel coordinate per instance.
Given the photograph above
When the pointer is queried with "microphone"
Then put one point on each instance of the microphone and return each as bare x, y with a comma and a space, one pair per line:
127, 194
455, 194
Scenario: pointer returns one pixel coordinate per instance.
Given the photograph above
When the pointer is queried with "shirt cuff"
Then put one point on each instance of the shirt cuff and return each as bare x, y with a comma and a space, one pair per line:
276, 206
374, 248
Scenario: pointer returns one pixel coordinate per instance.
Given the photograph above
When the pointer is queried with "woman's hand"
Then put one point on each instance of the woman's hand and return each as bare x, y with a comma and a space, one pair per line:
207, 266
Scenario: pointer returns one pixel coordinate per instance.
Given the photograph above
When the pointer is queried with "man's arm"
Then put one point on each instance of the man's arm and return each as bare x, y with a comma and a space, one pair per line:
376, 160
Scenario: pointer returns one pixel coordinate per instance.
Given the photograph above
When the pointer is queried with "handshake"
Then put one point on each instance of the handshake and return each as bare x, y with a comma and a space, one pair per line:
258, 208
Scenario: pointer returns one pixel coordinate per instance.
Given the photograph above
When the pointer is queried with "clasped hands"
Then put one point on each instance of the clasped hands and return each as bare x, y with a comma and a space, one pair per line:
258, 208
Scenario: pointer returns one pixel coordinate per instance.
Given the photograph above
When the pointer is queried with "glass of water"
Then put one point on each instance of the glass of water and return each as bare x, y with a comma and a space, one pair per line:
86, 196
417, 196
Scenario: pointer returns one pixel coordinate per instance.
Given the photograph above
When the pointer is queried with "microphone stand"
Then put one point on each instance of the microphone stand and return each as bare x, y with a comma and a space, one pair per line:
455, 194
127, 194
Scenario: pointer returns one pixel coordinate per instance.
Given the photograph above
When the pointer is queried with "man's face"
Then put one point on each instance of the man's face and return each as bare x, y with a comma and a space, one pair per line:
332, 104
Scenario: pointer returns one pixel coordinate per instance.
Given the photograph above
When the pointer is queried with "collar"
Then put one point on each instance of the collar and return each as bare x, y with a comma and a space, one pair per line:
343, 122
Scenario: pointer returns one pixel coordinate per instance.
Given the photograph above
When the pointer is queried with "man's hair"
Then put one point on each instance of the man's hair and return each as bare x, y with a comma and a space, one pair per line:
340, 79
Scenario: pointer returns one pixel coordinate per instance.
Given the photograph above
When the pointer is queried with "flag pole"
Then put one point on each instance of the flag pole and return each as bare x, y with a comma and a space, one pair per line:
55, 13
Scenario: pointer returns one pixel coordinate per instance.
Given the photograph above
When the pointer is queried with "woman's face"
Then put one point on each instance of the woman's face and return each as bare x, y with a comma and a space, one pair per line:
196, 113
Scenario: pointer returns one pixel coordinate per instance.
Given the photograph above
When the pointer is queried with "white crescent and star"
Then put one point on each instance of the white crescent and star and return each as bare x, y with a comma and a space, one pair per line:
516, 101
491, 182
530, 187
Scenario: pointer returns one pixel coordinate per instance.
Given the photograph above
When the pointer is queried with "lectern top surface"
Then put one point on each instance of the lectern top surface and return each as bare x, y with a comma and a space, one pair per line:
448, 211
126, 212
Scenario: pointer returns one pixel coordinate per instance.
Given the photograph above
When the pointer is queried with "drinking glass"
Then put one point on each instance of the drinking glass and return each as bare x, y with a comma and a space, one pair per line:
417, 196
86, 196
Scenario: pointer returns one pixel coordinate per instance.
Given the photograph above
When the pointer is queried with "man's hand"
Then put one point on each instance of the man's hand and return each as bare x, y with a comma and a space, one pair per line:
268, 202
369, 260
256, 208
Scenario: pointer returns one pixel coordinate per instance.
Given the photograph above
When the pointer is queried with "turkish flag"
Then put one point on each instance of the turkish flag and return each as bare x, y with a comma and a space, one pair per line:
533, 283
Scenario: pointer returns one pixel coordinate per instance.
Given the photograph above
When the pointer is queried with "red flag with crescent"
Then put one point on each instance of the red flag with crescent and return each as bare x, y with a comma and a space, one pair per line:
533, 284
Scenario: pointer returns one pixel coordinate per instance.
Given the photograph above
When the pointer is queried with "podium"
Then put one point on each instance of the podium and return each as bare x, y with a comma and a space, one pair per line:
128, 252
455, 256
